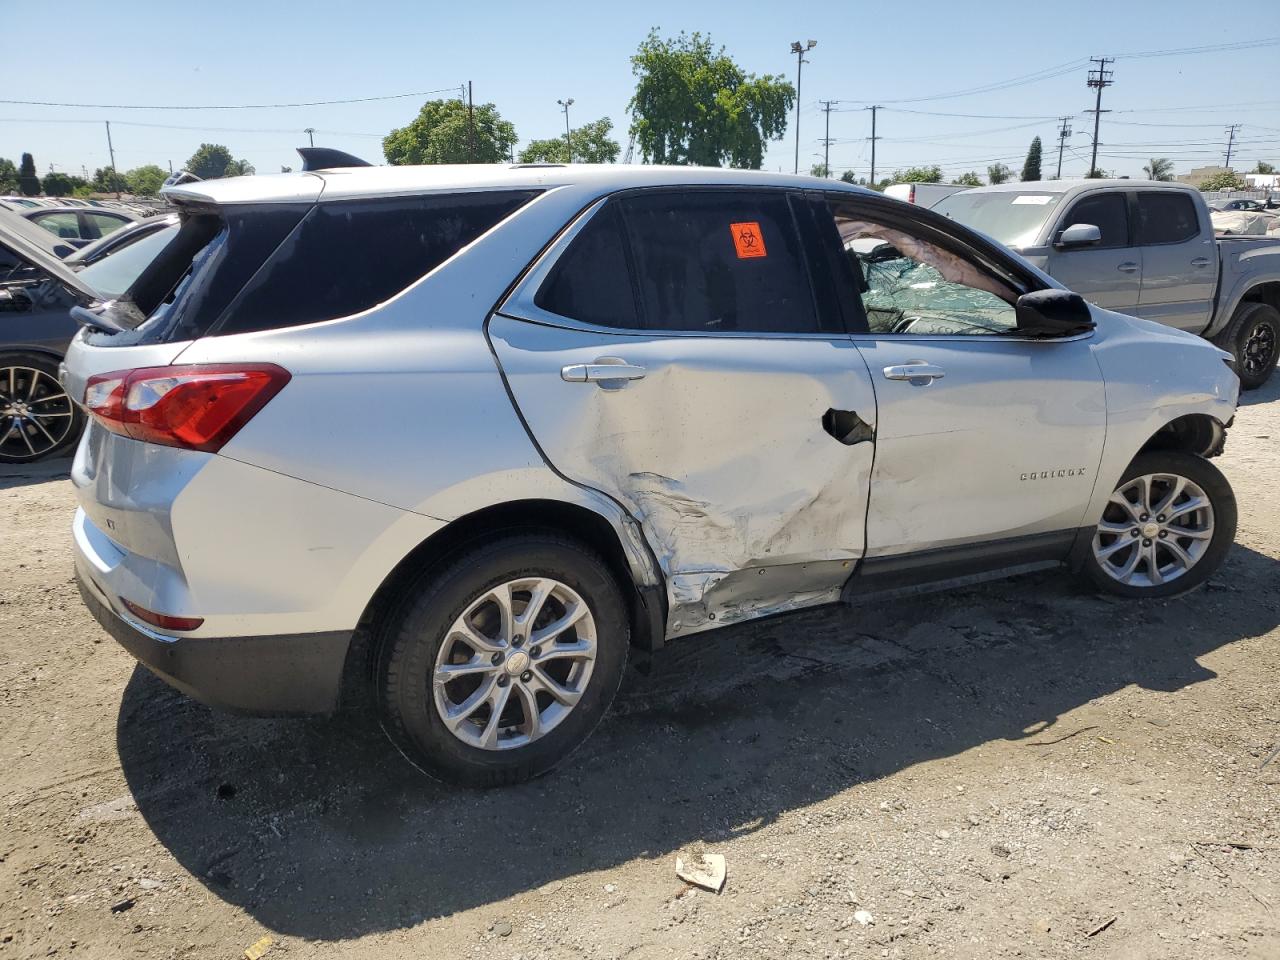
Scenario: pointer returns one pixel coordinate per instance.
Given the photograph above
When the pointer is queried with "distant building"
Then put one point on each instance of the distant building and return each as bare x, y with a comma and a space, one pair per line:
1199, 175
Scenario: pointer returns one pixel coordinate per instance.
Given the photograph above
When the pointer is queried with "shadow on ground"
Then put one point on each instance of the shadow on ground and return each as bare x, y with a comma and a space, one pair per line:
318, 829
24, 474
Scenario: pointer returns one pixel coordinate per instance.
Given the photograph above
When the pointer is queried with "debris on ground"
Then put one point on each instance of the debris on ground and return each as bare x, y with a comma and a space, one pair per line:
258, 949
707, 871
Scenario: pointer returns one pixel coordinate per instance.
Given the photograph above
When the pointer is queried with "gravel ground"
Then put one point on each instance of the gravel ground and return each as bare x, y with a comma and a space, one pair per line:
1018, 769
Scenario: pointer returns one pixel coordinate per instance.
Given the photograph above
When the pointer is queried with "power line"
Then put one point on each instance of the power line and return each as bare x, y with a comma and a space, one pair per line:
223, 106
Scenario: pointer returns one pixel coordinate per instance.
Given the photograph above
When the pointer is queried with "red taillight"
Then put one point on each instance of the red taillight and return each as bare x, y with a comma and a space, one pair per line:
162, 620
911, 197
196, 406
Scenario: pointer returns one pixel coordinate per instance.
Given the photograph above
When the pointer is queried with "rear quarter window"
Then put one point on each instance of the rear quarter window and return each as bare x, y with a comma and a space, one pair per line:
348, 256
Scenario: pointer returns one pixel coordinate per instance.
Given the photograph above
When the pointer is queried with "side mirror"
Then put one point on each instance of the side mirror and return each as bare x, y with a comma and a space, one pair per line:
1052, 313
1078, 235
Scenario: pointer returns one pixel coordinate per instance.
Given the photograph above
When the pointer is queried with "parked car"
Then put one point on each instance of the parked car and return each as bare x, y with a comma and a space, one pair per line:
457, 438
37, 418
1145, 248
80, 225
1236, 203
924, 194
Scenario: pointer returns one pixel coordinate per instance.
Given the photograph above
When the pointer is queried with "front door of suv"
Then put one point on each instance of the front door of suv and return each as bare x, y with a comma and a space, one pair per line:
987, 443
668, 352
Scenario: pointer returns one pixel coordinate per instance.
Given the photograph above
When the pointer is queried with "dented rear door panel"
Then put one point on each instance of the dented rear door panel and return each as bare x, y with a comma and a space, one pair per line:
719, 451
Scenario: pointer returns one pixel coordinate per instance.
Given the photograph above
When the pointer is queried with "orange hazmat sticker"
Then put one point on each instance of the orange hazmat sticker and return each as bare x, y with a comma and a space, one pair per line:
748, 241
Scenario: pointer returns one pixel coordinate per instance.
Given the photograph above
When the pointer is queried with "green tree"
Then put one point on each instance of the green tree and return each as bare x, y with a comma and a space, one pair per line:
1224, 180
441, 133
917, 175
145, 181
998, 173
848, 177
213, 161
61, 184
1158, 168
694, 105
1031, 166
8, 176
969, 179
28, 182
820, 170
591, 144
1264, 167
1098, 174
106, 180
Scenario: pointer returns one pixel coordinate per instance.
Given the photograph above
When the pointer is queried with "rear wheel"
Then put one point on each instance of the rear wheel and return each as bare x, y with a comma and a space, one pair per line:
1166, 529
37, 417
503, 660
1253, 337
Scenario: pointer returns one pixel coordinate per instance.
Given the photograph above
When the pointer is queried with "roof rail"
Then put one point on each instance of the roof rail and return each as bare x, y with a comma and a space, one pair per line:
326, 158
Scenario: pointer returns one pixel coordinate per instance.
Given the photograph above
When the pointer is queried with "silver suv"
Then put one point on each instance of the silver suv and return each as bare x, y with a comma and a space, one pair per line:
460, 437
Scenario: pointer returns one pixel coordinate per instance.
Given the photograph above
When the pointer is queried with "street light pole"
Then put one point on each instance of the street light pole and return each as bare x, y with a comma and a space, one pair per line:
568, 143
310, 132
800, 49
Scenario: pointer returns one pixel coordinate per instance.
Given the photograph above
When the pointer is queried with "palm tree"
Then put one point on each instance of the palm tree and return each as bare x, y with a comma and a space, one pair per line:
1160, 168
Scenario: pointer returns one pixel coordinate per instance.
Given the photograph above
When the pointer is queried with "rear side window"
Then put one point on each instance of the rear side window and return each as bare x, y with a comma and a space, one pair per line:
591, 281
1109, 212
1165, 217
719, 262
348, 256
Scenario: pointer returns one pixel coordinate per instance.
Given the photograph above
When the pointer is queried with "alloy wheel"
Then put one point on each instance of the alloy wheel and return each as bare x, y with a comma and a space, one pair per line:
36, 415
515, 663
1154, 529
1259, 351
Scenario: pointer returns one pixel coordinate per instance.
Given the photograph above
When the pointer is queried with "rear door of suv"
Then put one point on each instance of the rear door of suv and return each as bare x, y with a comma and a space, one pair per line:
670, 351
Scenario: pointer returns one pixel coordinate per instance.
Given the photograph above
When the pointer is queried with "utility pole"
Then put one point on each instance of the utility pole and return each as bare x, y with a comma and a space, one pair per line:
1099, 79
471, 125
115, 177
568, 143
1231, 141
826, 140
311, 134
1064, 131
170, 168
873, 138
800, 49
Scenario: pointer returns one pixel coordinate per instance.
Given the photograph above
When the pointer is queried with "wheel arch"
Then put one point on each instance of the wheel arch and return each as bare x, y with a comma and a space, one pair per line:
1268, 292
1197, 433
646, 602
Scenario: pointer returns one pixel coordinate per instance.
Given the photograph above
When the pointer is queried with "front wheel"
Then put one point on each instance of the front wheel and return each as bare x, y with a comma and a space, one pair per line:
1165, 530
503, 660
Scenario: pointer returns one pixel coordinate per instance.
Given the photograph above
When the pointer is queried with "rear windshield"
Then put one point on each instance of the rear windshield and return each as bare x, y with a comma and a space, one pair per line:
1012, 217
266, 267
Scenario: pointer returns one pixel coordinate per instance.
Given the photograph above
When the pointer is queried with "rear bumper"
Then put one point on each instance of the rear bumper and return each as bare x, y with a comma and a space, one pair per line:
274, 675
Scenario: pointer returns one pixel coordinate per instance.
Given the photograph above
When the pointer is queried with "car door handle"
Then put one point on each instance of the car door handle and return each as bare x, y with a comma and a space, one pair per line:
917, 371
1128, 267
604, 369
1201, 262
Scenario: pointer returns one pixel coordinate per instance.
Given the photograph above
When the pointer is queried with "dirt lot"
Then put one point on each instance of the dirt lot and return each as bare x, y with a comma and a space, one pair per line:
1002, 771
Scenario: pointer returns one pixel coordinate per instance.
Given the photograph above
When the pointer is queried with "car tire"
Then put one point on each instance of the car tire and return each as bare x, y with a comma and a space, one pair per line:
1165, 528
38, 419
442, 719
1253, 338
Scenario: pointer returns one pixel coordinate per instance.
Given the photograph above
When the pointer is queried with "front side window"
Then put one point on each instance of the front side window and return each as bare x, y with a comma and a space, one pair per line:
63, 225
1109, 212
1166, 217
912, 285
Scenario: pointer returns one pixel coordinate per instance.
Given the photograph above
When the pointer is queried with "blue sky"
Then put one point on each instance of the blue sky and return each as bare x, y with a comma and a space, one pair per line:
523, 57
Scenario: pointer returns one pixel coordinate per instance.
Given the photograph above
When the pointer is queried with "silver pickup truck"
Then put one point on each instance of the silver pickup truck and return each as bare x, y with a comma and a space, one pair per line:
1143, 248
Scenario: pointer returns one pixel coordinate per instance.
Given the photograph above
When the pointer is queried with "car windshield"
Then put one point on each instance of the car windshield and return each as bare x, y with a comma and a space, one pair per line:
1012, 217
113, 275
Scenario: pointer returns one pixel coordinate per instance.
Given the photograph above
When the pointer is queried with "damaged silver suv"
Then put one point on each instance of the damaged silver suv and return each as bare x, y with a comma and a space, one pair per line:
457, 438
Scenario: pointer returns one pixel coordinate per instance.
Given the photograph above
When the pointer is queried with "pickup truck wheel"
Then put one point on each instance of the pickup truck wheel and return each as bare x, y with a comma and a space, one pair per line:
1165, 530
37, 418
1254, 338
502, 660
